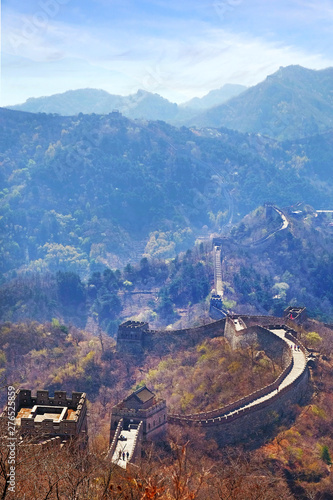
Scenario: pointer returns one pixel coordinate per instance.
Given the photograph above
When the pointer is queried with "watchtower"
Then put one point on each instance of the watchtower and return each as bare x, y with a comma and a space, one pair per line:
130, 336
141, 406
297, 314
43, 417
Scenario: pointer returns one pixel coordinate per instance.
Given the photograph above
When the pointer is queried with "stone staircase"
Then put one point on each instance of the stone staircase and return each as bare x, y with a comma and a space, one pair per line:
218, 271
126, 445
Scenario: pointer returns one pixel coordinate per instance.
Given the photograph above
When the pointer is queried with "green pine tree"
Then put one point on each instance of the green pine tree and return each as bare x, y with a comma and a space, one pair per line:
325, 455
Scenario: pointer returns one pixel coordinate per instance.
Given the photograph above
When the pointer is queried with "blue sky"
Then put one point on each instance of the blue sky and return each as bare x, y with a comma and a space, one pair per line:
179, 49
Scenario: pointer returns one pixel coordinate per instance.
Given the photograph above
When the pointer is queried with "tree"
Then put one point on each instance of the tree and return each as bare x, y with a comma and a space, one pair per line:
165, 307
70, 288
325, 455
313, 339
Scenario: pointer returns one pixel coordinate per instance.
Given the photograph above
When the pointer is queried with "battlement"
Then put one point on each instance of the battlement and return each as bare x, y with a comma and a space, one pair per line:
297, 314
135, 336
119, 410
46, 416
141, 406
60, 398
133, 326
131, 334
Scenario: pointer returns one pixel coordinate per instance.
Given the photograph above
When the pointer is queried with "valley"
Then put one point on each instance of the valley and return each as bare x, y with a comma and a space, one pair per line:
135, 211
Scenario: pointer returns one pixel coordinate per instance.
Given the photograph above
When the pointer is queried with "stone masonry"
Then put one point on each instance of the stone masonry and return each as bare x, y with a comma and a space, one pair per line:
43, 416
141, 406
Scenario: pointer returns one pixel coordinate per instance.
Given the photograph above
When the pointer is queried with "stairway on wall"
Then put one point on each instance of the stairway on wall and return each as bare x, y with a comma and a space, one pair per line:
218, 272
125, 441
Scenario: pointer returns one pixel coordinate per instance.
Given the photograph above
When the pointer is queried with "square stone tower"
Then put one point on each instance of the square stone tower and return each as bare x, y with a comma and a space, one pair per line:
130, 336
43, 417
141, 406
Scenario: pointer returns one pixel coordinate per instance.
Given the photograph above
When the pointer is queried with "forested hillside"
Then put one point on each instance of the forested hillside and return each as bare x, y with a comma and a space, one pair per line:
292, 103
82, 193
294, 462
152, 290
294, 266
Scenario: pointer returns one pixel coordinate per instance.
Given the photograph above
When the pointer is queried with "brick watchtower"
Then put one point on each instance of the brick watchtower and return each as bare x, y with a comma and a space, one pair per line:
141, 406
43, 417
130, 336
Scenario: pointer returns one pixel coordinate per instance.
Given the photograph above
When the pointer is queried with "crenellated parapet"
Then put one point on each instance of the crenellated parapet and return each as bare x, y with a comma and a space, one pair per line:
136, 337
25, 397
48, 416
141, 406
237, 420
131, 336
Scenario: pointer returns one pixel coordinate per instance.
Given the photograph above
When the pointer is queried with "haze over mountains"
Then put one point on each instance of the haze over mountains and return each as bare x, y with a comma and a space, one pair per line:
134, 208
214, 97
142, 105
292, 103
86, 191
81, 192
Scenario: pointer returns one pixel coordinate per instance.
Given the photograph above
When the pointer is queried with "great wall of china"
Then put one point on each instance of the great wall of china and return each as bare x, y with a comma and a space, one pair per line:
247, 417
217, 309
143, 416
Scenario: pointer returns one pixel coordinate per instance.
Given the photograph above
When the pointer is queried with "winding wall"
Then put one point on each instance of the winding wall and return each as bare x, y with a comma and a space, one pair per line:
238, 420
167, 340
247, 416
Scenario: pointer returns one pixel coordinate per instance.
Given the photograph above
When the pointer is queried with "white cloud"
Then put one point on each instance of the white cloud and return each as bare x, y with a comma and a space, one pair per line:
199, 59
205, 62
315, 11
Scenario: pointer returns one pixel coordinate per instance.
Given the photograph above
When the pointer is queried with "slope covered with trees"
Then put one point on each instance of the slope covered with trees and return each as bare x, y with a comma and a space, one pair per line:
81, 193
153, 290
295, 462
292, 103
293, 267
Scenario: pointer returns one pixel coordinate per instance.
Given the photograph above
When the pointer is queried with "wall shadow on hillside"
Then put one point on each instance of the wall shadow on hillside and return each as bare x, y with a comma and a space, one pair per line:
269, 431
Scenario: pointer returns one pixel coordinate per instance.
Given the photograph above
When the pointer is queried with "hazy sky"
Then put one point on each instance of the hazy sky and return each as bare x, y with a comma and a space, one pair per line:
177, 48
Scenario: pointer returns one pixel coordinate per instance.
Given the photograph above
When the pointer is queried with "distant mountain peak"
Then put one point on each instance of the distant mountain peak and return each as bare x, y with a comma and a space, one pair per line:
215, 97
292, 103
142, 104
143, 92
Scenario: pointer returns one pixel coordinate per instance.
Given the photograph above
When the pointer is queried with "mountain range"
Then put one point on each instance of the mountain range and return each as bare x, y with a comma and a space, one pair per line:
142, 105
293, 103
214, 97
82, 192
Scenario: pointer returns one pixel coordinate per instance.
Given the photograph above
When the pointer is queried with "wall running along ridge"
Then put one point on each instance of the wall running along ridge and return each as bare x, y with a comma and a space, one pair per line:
248, 417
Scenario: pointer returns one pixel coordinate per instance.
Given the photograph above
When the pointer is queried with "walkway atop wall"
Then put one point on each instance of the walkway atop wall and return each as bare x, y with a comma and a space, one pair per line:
123, 446
299, 359
218, 272
284, 225
299, 364
216, 309
288, 377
